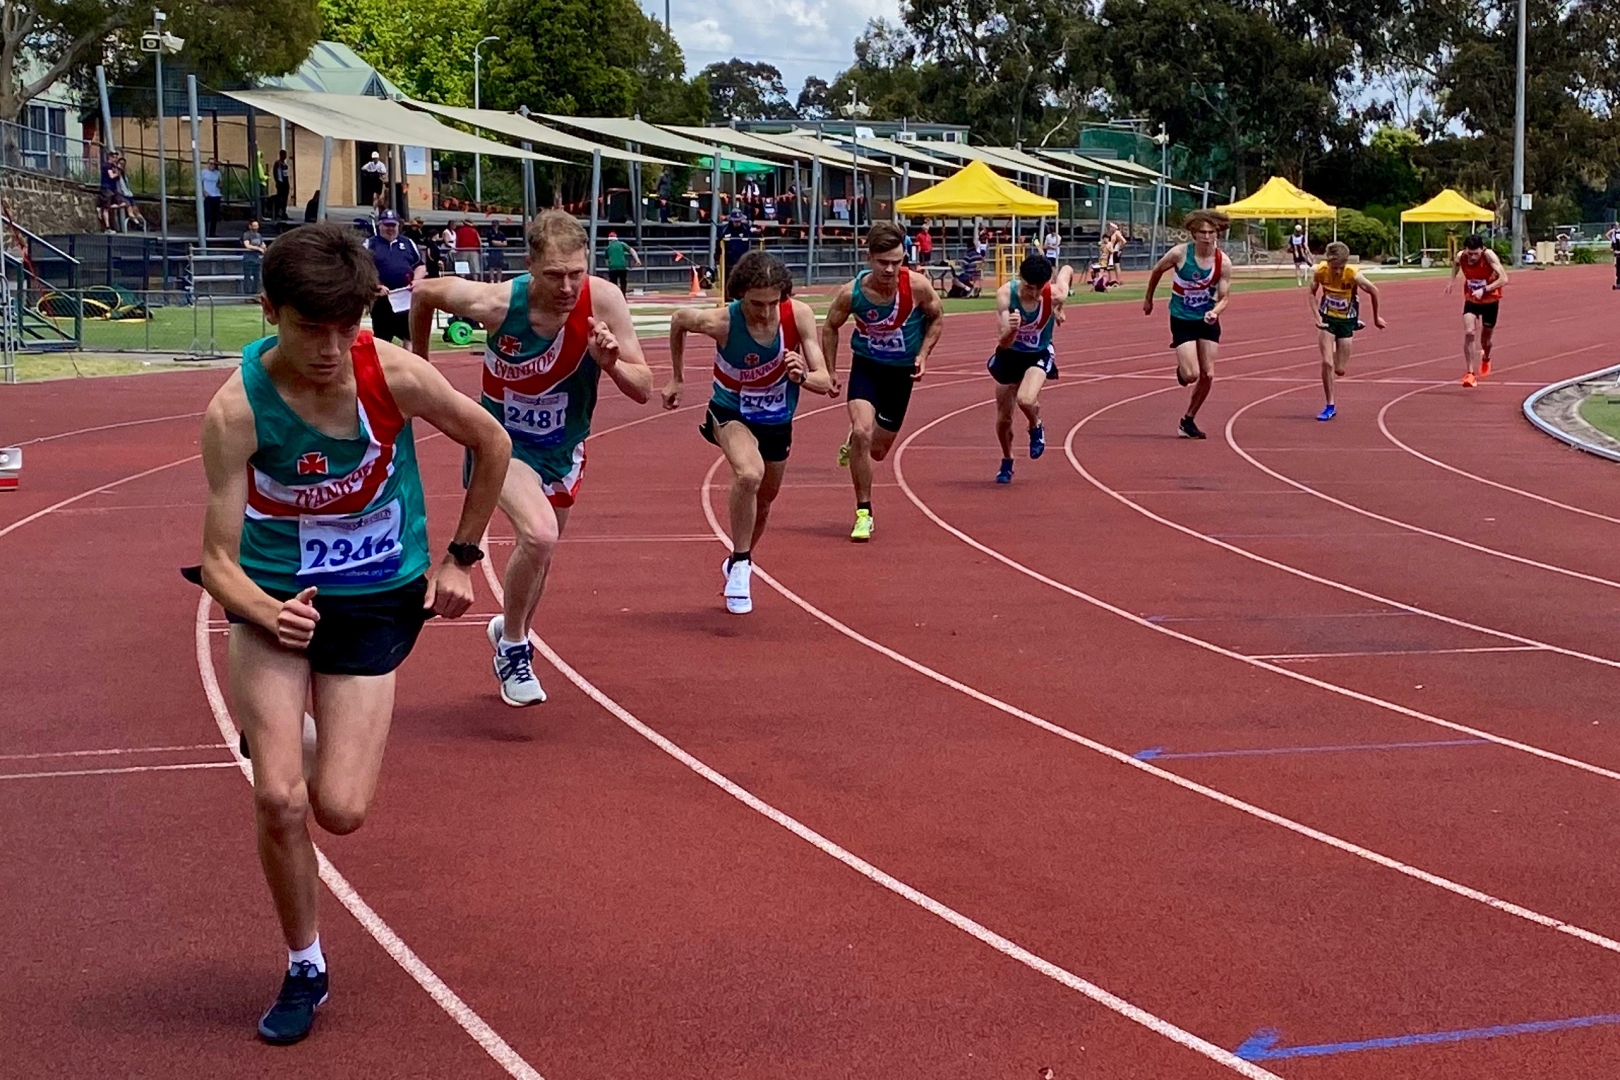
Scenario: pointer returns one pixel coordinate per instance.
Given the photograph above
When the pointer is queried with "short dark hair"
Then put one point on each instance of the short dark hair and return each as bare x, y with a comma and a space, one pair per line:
321, 271
1474, 242
758, 270
884, 236
1035, 270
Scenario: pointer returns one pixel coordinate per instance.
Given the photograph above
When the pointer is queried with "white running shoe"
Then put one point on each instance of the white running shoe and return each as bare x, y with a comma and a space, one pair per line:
738, 599
514, 667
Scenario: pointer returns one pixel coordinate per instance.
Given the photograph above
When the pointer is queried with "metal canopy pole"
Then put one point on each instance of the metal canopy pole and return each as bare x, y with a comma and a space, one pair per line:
528, 185
596, 198
106, 110
196, 161
815, 216
326, 178
1102, 211
714, 213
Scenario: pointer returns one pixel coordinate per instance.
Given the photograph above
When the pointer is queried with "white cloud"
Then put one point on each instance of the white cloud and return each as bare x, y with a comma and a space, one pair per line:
799, 37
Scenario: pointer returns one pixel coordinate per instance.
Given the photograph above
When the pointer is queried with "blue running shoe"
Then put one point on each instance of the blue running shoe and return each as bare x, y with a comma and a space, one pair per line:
1037, 441
1005, 475
1328, 413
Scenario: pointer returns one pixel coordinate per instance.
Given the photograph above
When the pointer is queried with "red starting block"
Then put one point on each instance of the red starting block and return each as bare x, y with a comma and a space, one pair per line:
10, 467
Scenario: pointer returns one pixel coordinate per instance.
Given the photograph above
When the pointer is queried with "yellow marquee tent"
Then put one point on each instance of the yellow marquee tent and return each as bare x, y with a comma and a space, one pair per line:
976, 191
1277, 198
1448, 206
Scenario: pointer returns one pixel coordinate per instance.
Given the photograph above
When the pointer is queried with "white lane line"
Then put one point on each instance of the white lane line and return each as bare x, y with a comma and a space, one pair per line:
446, 998
117, 772
70, 500
1383, 426
109, 753
108, 427
1346, 846
1394, 652
1344, 587
1003, 945
1522, 560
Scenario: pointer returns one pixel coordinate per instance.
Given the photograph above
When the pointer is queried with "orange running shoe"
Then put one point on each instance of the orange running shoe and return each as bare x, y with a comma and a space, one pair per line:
1484, 367
1469, 380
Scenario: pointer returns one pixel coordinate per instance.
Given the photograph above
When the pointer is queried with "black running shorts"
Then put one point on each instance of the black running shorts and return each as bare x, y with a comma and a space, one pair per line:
1185, 330
886, 386
365, 634
1008, 366
1486, 312
775, 440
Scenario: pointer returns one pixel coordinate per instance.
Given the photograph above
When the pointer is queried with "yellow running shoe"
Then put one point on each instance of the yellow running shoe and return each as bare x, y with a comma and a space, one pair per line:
843, 455
863, 527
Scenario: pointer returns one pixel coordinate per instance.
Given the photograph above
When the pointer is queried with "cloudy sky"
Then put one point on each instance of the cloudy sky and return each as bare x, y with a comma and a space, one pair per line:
800, 37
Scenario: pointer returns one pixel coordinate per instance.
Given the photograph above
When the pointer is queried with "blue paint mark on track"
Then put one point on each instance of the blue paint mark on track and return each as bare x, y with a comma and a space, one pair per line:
1262, 1045
1162, 753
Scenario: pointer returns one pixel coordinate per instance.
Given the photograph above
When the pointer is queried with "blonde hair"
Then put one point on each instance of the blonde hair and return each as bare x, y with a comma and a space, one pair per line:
1337, 250
554, 230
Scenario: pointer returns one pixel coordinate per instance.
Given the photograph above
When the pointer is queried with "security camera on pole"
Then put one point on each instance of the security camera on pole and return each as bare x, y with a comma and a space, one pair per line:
1161, 194
856, 111
478, 159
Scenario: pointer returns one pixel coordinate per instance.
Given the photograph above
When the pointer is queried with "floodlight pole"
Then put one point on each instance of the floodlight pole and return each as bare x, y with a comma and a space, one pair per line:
163, 161
478, 159
1518, 143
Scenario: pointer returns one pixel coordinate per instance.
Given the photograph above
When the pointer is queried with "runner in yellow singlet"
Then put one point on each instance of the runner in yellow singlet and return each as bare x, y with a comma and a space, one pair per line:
1334, 286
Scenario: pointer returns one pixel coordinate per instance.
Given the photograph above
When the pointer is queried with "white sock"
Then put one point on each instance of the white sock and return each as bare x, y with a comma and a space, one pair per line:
508, 643
311, 955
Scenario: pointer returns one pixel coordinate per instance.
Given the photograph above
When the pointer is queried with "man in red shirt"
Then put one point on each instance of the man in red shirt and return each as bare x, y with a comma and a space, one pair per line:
925, 246
469, 249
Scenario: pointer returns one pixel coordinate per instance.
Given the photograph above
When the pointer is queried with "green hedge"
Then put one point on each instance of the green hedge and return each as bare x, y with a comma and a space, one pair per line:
1365, 235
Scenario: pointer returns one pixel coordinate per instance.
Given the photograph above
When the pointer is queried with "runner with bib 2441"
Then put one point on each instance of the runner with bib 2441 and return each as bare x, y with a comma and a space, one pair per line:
898, 320
765, 350
551, 333
1200, 289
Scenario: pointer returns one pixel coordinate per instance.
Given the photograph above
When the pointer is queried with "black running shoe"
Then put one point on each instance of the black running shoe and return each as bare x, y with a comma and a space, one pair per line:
293, 1014
1189, 430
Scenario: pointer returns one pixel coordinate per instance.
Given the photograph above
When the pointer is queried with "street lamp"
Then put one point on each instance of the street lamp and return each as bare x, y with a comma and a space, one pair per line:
478, 159
855, 110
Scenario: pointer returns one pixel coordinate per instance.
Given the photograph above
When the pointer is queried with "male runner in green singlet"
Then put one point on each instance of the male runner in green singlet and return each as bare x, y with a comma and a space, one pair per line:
315, 543
551, 334
898, 320
1028, 310
1200, 288
765, 351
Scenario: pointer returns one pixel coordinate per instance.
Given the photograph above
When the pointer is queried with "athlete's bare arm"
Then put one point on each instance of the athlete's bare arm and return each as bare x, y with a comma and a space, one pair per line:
421, 390
614, 345
1316, 309
712, 322
1172, 258
838, 313
1456, 268
480, 301
1062, 283
933, 309
1007, 320
1223, 292
1371, 290
1500, 278
813, 375
228, 441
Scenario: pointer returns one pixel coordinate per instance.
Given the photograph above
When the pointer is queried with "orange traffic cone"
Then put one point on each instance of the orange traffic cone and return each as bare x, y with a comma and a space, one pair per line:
697, 288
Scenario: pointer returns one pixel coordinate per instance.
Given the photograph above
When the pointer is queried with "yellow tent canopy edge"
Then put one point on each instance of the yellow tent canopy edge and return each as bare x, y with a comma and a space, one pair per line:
976, 191
1278, 198
1448, 206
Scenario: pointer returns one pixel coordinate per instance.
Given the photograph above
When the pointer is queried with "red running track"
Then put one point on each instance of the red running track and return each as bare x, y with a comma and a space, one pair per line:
1306, 728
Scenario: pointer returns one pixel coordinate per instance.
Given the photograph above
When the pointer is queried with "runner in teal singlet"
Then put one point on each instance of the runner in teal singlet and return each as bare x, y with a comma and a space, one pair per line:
898, 320
1028, 311
552, 333
315, 544
765, 350
1200, 290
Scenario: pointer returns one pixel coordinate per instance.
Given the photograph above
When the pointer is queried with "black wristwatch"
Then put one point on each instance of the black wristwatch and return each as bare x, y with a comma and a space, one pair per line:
465, 554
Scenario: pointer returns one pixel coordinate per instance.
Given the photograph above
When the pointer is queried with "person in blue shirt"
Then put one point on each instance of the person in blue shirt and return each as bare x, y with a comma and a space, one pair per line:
765, 353
1200, 289
399, 266
1027, 312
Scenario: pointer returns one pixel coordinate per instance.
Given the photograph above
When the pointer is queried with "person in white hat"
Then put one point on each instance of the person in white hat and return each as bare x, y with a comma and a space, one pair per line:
374, 179
1299, 246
